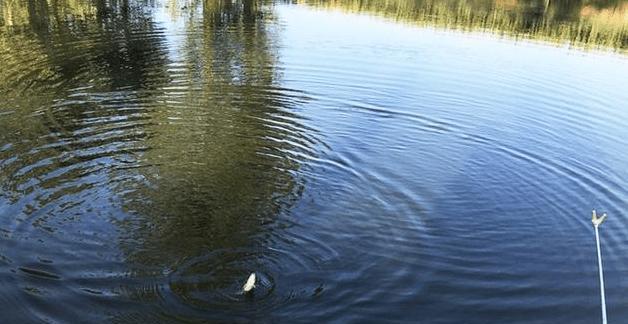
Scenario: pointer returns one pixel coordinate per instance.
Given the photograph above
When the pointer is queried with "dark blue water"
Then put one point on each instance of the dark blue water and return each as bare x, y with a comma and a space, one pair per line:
153, 155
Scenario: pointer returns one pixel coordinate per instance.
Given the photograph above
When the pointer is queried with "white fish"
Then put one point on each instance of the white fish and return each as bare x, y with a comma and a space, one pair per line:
597, 221
250, 283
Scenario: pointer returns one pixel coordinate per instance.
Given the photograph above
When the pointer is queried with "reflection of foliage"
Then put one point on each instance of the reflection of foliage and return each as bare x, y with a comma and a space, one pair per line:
22, 12
580, 22
64, 41
181, 138
222, 141
194, 135
63, 49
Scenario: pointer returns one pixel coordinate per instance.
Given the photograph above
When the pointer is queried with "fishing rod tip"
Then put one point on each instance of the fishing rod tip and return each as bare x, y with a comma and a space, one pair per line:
597, 220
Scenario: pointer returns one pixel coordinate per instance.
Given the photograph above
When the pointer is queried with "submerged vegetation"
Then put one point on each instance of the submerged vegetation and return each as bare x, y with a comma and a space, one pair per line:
584, 23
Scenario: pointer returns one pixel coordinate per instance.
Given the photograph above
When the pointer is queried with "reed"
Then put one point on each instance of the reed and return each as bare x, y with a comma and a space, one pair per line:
576, 23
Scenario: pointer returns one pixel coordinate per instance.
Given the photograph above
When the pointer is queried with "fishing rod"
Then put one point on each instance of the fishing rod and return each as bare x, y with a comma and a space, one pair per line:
596, 223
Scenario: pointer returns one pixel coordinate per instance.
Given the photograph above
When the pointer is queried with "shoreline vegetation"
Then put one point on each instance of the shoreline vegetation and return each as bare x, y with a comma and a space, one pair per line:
583, 24
588, 24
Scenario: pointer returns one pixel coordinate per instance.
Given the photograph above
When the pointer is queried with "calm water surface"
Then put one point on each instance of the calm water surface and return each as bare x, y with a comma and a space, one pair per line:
426, 161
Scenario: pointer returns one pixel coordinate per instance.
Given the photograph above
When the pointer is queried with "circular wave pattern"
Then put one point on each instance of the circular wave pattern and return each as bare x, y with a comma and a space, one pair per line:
215, 282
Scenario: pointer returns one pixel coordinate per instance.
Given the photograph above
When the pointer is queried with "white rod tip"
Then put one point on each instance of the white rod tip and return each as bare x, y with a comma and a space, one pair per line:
597, 220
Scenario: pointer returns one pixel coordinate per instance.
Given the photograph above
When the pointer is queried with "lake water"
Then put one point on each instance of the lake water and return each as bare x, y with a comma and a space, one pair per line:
372, 161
